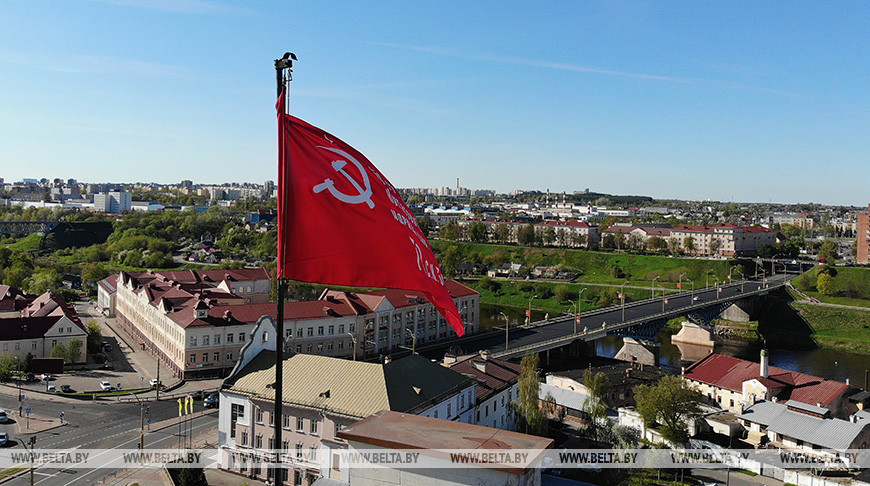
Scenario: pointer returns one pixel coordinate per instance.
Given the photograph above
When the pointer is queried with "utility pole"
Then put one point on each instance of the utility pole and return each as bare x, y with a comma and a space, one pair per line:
142, 426
158, 378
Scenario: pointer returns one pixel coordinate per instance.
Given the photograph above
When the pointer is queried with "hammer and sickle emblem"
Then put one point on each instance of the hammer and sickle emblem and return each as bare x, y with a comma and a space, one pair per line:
363, 196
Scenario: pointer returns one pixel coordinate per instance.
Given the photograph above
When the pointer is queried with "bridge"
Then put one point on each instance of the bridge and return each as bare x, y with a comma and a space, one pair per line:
24, 227
642, 319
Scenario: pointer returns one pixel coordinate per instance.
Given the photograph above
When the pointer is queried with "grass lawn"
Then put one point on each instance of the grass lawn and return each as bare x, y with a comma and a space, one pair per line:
28, 243
847, 329
851, 285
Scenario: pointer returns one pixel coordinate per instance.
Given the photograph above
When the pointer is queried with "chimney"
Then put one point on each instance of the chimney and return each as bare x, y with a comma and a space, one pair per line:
387, 359
848, 382
484, 354
763, 364
449, 359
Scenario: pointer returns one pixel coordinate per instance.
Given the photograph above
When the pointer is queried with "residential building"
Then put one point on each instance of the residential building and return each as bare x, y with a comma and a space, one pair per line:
321, 396
46, 322
106, 291
114, 202
497, 387
621, 377
732, 383
727, 240
863, 238
804, 427
197, 322
13, 301
391, 432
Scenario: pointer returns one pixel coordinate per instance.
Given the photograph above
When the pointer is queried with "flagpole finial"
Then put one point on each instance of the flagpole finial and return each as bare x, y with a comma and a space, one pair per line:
284, 70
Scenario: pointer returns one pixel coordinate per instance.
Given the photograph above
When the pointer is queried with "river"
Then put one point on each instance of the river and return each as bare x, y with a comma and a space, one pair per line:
827, 363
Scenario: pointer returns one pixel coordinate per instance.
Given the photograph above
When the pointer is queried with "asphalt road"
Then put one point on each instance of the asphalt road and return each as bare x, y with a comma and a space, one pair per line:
521, 336
94, 426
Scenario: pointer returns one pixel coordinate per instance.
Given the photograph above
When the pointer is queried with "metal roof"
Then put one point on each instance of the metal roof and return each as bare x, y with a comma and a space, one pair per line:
829, 433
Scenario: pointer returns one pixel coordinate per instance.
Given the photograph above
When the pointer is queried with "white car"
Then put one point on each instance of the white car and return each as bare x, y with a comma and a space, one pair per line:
4, 439
106, 386
154, 383
51, 389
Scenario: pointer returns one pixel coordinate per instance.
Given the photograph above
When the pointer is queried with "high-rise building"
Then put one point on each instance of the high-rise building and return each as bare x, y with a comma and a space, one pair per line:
863, 237
114, 202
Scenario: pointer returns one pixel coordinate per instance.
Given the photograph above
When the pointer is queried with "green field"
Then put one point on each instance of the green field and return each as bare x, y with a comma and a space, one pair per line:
600, 267
838, 328
851, 285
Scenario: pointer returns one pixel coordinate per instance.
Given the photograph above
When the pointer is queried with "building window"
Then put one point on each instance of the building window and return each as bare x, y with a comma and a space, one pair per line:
351, 328
271, 443
265, 337
300, 424
205, 340
259, 415
314, 424
229, 338
320, 330
310, 331
285, 421
244, 438
217, 356
17, 346
299, 453
340, 329
308, 349
285, 445
241, 337
299, 332
237, 411
229, 355
313, 454
205, 357
193, 358
338, 428
259, 441
448, 410
217, 339
331, 330
32, 345
193, 340
298, 348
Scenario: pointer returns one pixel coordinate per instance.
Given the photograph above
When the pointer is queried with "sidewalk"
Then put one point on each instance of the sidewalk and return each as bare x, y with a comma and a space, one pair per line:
35, 424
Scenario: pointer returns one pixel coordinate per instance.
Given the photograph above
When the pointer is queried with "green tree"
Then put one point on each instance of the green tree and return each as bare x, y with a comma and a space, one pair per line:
656, 243
526, 235
528, 406
449, 231
477, 233
43, 280
73, 351
192, 476
502, 233
596, 404
561, 292
825, 284
828, 250
670, 403
689, 243
8, 365
59, 351
549, 235
95, 337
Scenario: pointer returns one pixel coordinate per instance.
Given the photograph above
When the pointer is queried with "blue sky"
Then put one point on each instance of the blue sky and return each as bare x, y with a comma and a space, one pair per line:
721, 100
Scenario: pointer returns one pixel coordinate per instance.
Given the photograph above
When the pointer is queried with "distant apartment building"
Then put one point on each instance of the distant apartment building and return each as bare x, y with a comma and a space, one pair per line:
727, 240
571, 233
322, 396
800, 220
863, 237
197, 321
113, 202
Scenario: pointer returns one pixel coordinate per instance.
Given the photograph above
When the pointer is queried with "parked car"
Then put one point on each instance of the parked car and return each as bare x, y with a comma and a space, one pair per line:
4, 439
30, 377
211, 401
46, 377
107, 347
66, 389
51, 389
197, 395
3, 417
106, 386
154, 383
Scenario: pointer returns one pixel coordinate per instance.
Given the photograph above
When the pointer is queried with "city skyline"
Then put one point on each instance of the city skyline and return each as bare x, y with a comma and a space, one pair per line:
696, 101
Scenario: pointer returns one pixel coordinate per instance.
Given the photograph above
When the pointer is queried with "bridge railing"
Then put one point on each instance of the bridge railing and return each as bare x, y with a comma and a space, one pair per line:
668, 314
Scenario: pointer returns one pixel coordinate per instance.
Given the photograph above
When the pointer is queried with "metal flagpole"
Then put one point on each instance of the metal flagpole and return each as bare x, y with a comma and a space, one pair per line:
283, 76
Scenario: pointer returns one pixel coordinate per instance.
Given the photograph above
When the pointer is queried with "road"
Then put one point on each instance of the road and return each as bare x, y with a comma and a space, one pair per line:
564, 326
95, 426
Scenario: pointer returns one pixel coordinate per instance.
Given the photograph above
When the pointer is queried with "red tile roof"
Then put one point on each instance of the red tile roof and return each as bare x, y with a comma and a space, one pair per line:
730, 373
497, 374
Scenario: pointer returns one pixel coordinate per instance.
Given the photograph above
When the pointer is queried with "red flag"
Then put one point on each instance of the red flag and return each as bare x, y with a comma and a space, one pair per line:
341, 222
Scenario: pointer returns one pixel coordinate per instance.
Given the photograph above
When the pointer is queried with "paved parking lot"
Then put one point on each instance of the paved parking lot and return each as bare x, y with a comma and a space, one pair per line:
132, 368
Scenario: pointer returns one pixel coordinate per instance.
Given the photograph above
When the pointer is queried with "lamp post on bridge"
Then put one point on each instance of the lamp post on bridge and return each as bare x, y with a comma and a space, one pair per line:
622, 296
579, 308
529, 312
693, 290
652, 287
506, 327
664, 300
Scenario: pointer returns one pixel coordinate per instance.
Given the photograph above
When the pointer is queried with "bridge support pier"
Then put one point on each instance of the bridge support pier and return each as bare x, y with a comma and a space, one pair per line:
635, 350
742, 310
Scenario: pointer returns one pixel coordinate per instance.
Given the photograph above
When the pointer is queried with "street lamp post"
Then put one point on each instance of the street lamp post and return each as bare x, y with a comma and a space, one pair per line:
680, 283
622, 296
707, 282
579, 307
652, 287
507, 326
663, 298
529, 312
693, 289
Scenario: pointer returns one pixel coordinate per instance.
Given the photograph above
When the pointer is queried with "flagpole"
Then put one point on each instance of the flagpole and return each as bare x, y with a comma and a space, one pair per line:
283, 76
